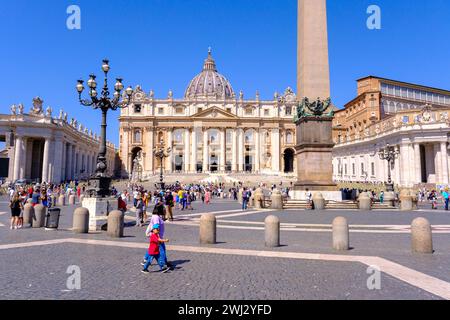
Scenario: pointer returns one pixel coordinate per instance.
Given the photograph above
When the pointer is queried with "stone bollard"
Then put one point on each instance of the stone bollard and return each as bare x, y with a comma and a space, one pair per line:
406, 203
319, 201
61, 200
115, 227
240, 196
277, 200
208, 229
81, 220
81, 198
259, 199
272, 235
72, 199
365, 203
389, 199
39, 216
28, 215
341, 234
251, 201
421, 236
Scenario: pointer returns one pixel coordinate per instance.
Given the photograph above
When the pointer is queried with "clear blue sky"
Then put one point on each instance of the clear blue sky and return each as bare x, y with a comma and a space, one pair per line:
161, 44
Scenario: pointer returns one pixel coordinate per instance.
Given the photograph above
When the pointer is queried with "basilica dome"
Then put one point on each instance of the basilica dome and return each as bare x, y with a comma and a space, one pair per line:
209, 83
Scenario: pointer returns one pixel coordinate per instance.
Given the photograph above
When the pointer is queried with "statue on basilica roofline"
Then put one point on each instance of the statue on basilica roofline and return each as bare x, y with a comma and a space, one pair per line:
61, 114
48, 112
276, 96
37, 106
13, 110
20, 108
318, 108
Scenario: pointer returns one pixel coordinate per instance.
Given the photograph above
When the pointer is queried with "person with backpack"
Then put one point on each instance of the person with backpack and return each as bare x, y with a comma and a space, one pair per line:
445, 197
245, 199
16, 207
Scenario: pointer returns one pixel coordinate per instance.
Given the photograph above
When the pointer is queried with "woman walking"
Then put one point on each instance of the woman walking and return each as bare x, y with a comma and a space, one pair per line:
16, 208
139, 206
169, 205
207, 196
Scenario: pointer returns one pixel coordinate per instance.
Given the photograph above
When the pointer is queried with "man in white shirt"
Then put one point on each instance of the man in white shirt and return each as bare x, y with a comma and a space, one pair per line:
11, 193
308, 196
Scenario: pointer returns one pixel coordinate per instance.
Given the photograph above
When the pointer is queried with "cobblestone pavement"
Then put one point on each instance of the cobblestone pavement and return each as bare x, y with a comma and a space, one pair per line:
114, 272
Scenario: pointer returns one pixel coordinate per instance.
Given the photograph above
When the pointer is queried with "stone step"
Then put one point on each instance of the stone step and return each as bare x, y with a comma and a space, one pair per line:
384, 206
302, 204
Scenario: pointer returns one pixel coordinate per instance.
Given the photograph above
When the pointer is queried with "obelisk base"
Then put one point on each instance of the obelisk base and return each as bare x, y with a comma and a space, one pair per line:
300, 194
314, 159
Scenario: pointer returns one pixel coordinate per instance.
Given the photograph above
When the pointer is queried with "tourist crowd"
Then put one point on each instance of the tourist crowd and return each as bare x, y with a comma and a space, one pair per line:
45, 194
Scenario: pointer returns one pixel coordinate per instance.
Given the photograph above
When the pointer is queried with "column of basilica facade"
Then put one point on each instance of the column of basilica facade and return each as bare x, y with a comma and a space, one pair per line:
209, 130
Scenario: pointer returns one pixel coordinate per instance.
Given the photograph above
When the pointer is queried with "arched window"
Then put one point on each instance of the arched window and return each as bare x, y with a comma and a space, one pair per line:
178, 136
137, 137
289, 137
249, 137
213, 136
160, 136
180, 110
288, 110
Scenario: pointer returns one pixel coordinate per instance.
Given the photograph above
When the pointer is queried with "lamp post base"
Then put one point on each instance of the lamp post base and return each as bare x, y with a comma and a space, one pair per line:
162, 185
390, 187
99, 187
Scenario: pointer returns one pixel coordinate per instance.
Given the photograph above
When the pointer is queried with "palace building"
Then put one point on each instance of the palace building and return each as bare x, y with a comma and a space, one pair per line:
414, 119
210, 130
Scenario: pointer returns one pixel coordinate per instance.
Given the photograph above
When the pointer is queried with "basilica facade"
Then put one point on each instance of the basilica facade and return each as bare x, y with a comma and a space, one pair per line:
209, 130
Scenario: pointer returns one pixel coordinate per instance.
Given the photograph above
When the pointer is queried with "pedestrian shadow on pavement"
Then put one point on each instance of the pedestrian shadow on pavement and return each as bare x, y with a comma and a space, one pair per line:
175, 264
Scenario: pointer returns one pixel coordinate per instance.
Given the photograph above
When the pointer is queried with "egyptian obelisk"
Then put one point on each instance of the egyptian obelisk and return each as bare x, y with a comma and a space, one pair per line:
313, 74
314, 115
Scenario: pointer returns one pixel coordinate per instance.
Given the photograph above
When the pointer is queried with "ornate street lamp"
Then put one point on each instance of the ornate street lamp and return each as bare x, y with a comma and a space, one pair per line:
100, 182
389, 154
162, 153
